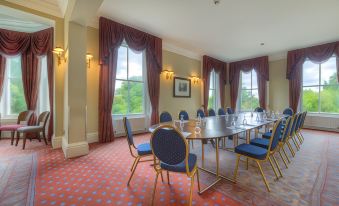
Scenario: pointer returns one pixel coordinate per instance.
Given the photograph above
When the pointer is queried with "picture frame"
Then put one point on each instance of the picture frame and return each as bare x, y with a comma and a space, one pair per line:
181, 87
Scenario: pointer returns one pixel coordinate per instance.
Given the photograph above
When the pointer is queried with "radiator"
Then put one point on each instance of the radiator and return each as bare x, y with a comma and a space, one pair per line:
138, 124
328, 123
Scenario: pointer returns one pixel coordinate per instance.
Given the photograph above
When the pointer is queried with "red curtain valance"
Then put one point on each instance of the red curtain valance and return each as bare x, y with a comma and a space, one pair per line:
220, 67
30, 46
111, 35
260, 65
295, 61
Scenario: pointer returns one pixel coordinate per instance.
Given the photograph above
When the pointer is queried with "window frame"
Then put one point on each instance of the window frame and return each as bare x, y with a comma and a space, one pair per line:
213, 75
250, 89
319, 86
143, 81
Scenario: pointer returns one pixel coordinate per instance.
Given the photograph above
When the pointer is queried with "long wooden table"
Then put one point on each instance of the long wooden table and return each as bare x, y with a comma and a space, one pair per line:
218, 127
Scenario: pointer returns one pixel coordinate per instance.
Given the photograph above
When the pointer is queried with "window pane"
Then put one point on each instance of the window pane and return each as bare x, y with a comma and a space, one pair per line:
329, 72
43, 98
245, 104
310, 99
246, 80
134, 65
310, 74
122, 63
136, 100
120, 104
212, 80
211, 98
16, 96
255, 99
254, 79
329, 99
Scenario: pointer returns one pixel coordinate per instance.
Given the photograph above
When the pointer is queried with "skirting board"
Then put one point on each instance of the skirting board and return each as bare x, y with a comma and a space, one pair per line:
321, 128
74, 149
91, 138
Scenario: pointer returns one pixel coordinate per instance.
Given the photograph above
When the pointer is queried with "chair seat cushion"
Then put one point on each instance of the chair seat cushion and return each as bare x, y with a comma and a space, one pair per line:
251, 151
144, 149
267, 135
10, 127
30, 129
181, 167
260, 142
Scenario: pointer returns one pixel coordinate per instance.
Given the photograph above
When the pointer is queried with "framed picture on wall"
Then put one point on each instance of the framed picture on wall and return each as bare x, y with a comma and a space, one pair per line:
181, 87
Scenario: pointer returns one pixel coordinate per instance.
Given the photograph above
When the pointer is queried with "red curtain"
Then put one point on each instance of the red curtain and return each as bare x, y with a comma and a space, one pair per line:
219, 67
2, 72
295, 61
260, 65
111, 35
31, 46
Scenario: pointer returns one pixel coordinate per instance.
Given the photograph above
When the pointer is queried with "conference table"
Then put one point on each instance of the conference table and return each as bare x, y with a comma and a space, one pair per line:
218, 127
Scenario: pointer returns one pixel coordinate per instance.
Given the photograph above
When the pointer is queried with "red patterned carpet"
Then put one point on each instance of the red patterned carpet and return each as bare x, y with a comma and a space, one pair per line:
100, 177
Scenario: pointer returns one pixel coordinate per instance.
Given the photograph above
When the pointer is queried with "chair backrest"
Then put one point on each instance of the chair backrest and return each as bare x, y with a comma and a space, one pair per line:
288, 111
300, 116
128, 131
24, 116
229, 110
211, 112
287, 128
221, 111
259, 109
276, 135
165, 117
185, 115
303, 120
294, 123
202, 114
169, 146
42, 119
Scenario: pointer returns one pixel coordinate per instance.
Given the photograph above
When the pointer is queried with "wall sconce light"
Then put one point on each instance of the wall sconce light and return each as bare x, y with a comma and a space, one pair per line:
168, 74
89, 56
58, 51
195, 79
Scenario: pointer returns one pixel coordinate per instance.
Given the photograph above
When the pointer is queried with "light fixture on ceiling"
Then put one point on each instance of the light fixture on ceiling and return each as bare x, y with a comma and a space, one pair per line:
89, 56
58, 51
216, 2
262, 44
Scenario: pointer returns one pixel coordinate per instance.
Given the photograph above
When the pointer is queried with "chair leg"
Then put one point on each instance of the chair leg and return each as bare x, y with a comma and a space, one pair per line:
299, 138
0, 134
198, 179
290, 148
135, 167
12, 137
168, 180
236, 169
38, 136
191, 191
274, 170
155, 186
162, 178
44, 136
24, 141
247, 163
135, 160
17, 138
278, 166
295, 143
283, 159
288, 159
263, 176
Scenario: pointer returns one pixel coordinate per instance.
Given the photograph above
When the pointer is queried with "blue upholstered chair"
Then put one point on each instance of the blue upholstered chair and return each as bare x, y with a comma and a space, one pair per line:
211, 112
259, 109
201, 112
288, 111
300, 127
140, 151
259, 154
165, 117
185, 115
296, 128
171, 153
229, 110
221, 111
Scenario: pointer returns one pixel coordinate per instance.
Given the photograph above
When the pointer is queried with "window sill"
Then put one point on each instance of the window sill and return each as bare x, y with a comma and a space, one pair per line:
129, 116
322, 115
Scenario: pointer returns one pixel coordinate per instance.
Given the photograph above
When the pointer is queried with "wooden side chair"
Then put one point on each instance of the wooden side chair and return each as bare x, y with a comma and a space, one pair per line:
39, 128
22, 121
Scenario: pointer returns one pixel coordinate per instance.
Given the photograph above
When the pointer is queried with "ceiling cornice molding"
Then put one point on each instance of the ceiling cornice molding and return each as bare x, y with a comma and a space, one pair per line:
277, 56
178, 50
52, 7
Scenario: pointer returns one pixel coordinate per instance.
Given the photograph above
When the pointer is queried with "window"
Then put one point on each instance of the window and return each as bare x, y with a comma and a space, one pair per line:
129, 83
13, 99
249, 97
320, 89
212, 91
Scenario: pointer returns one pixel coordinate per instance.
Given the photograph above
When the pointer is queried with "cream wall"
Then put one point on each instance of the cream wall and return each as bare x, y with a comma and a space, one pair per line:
278, 85
182, 67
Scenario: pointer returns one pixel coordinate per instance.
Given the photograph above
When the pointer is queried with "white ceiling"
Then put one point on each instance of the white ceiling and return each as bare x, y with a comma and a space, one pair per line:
234, 29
